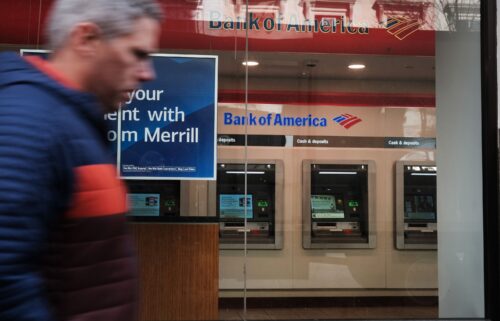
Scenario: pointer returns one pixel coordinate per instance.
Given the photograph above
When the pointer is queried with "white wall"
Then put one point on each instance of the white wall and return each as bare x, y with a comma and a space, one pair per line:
459, 181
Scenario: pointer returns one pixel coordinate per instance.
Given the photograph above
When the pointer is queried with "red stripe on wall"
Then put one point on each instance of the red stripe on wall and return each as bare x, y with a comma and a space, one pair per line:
98, 192
188, 34
23, 23
328, 98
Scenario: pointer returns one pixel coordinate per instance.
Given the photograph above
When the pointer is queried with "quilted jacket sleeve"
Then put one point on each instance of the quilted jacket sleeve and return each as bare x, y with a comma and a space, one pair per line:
27, 205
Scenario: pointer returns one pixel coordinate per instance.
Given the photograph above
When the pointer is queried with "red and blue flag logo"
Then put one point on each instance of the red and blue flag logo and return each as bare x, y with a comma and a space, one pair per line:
347, 120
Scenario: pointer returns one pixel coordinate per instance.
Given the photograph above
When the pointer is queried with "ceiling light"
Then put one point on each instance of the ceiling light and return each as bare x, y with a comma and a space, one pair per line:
356, 66
423, 174
337, 173
247, 172
250, 63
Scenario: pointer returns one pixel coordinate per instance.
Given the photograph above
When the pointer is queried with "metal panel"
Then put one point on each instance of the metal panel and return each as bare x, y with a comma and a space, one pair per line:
401, 243
307, 242
279, 213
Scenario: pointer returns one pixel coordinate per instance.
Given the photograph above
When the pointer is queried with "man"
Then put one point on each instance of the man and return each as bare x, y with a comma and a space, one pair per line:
64, 250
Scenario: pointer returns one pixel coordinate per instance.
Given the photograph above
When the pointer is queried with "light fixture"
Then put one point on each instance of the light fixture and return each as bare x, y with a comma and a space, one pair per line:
248, 172
250, 63
423, 174
356, 66
337, 173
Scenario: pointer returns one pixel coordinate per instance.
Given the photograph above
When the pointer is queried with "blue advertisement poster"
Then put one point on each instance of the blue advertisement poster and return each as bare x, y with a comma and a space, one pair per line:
168, 127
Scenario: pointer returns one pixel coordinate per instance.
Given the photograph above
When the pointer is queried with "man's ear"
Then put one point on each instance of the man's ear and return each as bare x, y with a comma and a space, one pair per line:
85, 38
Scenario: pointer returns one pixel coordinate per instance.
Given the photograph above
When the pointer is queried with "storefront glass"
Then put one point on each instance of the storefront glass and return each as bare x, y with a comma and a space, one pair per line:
353, 97
348, 158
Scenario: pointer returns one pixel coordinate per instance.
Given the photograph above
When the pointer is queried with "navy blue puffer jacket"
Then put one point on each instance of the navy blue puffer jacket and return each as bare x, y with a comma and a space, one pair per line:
65, 253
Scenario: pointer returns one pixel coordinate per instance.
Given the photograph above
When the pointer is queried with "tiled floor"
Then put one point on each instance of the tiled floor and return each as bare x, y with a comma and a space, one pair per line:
331, 313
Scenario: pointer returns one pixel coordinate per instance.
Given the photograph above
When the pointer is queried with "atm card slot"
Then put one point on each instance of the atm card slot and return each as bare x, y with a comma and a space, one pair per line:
417, 224
340, 227
237, 235
338, 232
234, 224
339, 238
420, 227
232, 227
330, 227
417, 237
239, 227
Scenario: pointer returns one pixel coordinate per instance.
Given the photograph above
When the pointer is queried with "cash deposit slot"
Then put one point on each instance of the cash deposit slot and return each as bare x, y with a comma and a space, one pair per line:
148, 198
416, 216
337, 205
261, 204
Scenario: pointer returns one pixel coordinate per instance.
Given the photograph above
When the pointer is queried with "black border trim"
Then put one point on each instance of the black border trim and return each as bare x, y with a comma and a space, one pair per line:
489, 97
328, 302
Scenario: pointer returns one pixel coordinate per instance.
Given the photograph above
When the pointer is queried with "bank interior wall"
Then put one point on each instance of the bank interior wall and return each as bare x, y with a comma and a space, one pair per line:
295, 271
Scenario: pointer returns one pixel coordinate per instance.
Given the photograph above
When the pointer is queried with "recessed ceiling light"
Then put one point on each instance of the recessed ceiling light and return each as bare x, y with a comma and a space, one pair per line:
356, 66
250, 63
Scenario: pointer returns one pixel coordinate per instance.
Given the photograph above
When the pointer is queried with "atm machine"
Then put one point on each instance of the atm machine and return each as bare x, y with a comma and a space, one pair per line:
338, 204
416, 215
154, 199
261, 203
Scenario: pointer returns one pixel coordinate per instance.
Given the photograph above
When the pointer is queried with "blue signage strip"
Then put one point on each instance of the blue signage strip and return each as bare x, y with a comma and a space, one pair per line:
168, 127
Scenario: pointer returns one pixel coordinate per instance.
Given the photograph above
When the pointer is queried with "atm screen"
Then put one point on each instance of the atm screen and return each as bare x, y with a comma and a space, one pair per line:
327, 206
233, 206
420, 207
144, 204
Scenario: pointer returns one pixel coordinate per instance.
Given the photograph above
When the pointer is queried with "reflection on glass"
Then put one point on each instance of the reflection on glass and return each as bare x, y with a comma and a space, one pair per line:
148, 198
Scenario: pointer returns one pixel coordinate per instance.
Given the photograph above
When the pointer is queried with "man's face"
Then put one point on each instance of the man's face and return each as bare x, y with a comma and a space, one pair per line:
122, 63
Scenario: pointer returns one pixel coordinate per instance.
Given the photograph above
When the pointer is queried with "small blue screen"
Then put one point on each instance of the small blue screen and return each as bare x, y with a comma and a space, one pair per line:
233, 206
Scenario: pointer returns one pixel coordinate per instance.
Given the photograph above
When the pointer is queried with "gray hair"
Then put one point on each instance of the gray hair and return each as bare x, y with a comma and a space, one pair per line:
114, 17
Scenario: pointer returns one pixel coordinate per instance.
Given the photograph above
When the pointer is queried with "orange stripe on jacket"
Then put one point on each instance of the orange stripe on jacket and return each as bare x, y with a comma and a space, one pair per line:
48, 69
98, 192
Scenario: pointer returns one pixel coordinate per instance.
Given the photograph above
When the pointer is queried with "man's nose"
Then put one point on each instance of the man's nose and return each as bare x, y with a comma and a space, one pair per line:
146, 71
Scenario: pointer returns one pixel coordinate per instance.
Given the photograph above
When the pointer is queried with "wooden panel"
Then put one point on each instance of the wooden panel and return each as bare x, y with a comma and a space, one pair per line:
179, 271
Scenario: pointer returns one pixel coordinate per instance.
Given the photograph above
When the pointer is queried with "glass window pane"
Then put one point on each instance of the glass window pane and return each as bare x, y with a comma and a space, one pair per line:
353, 84
348, 160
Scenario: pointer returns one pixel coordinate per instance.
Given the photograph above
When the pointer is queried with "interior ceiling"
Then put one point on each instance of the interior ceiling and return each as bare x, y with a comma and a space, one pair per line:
326, 66
318, 66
